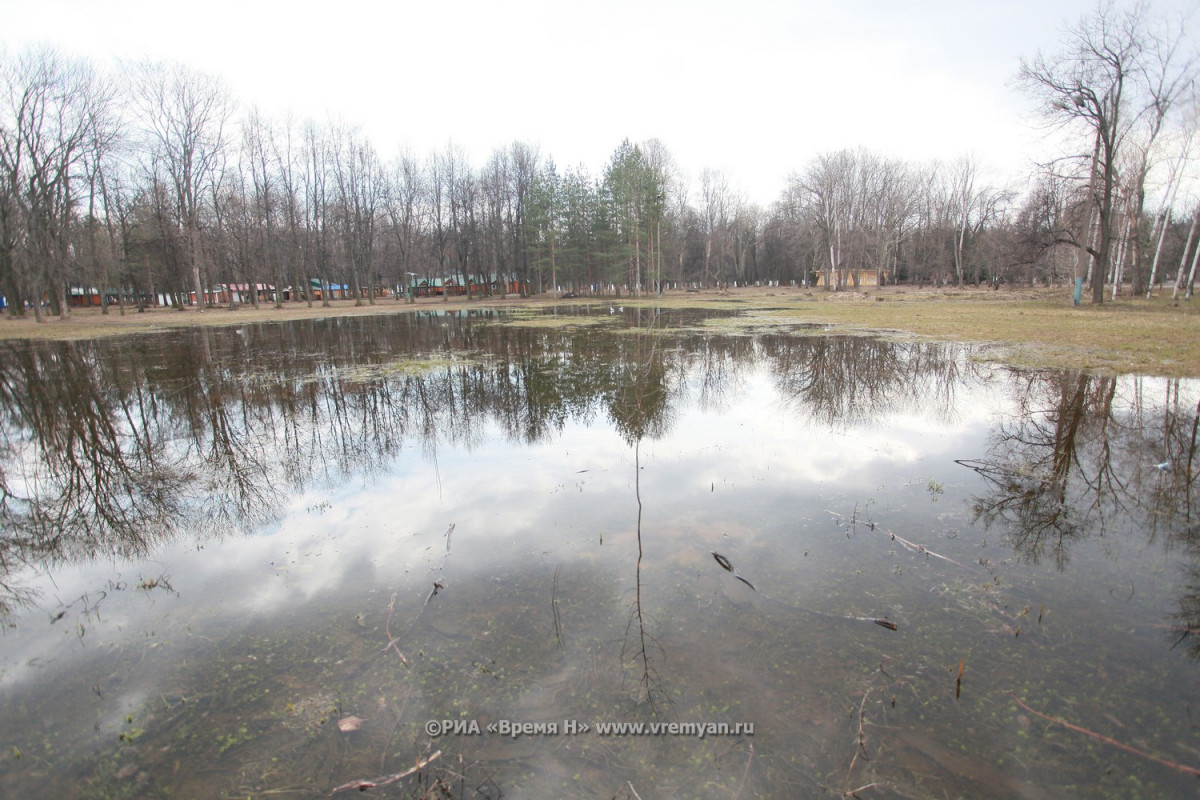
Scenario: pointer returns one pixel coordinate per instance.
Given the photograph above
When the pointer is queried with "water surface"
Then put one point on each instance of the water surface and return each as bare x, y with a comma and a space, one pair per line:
222, 547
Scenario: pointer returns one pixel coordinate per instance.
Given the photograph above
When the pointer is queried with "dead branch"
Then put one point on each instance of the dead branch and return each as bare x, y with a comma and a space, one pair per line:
362, 786
920, 548
745, 774
387, 628
861, 749
727, 565
554, 607
913, 546
1102, 738
399, 715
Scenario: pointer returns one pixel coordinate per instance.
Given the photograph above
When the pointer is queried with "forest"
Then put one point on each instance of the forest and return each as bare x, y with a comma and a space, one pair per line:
149, 183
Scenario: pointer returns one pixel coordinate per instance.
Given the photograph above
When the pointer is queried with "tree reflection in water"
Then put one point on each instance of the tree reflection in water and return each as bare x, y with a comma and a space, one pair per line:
640, 409
1085, 452
844, 381
108, 448
88, 466
1077, 455
114, 448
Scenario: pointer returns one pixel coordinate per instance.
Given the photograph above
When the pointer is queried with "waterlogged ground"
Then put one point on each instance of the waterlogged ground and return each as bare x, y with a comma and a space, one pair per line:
257, 562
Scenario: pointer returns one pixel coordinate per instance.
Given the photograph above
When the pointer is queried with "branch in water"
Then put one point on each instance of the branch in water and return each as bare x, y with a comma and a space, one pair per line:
1101, 738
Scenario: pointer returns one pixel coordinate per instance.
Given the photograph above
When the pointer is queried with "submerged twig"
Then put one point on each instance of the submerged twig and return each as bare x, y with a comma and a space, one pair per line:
437, 586
745, 774
726, 565
386, 780
862, 736
387, 628
920, 548
861, 749
1102, 738
399, 715
299, 788
913, 546
554, 608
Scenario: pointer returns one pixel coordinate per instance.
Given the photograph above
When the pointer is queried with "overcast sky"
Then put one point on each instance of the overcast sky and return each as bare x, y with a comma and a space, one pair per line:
755, 88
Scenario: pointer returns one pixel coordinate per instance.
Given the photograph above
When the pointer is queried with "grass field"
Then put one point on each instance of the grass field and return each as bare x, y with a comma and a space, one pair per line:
1036, 328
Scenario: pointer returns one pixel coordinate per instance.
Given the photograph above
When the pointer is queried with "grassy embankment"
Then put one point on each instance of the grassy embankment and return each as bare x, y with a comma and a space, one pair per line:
1025, 327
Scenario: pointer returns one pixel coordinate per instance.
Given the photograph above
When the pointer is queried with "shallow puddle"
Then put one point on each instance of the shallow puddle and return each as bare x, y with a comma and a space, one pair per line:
443, 553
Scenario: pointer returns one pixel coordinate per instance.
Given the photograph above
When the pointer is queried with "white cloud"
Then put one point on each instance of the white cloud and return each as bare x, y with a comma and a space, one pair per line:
755, 88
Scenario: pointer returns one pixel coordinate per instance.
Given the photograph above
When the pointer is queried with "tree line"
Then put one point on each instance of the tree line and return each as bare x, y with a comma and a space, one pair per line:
151, 185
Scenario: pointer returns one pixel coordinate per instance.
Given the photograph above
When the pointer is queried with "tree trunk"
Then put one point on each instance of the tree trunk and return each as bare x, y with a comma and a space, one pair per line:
1183, 259
1164, 222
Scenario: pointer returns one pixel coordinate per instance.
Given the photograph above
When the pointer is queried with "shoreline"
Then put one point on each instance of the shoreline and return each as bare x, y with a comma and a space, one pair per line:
1025, 327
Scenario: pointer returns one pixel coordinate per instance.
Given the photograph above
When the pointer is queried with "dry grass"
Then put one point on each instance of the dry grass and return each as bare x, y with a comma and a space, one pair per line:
1026, 327
1039, 328
1036, 328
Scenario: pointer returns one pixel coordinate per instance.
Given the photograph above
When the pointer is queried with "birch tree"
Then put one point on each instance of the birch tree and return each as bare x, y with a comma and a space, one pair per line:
962, 198
714, 205
1114, 71
828, 184
1182, 282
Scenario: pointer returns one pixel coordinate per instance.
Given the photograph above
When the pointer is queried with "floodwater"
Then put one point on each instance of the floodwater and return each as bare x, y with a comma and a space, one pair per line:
271, 561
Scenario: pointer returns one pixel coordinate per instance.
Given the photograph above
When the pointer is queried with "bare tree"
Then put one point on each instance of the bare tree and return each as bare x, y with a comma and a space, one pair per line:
829, 187
1168, 73
114, 183
886, 211
290, 166
437, 200
186, 114
1180, 281
316, 206
714, 202
1114, 73
464, 221
52, 109
258, 143
357, 172
402, 200
498, 210
524, 160
962, 177
103, 155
